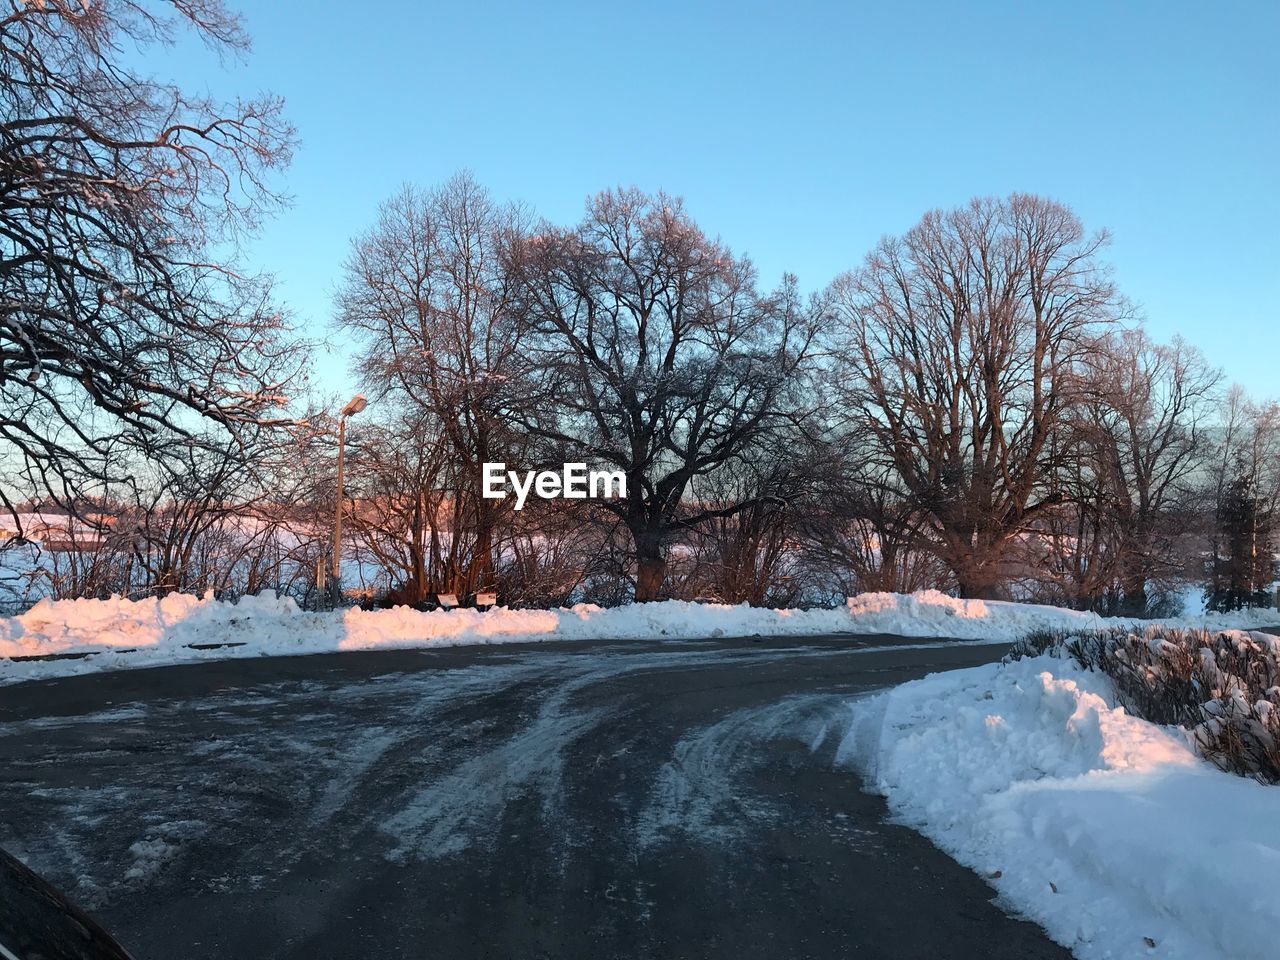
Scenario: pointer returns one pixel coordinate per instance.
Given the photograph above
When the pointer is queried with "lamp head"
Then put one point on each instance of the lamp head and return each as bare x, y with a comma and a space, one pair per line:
355, 405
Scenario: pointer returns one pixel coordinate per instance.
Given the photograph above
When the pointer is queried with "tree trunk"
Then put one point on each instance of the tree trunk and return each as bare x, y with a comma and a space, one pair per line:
971, 588
416, 589
482, 572
651, 566
976, 580
1134, 594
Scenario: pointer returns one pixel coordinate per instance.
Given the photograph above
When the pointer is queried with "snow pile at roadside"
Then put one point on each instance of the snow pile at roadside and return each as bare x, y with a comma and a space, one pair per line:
113, 634
931, 613
91, 635
1105, 829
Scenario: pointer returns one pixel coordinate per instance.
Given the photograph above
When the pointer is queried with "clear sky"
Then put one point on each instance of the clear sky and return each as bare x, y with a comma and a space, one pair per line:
800, 132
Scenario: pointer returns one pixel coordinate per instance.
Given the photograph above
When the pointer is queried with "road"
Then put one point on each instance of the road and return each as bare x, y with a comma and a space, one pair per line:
667, 800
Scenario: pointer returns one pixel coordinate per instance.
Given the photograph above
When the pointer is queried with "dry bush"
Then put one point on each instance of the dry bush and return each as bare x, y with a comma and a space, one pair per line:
1223, 687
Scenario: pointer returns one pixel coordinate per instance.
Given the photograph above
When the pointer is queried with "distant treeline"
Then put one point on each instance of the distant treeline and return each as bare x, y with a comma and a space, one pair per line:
973, 407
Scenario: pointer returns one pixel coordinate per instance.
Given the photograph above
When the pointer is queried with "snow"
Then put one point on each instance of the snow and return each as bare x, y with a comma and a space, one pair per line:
149, 857
699, 792
92, 635
1104, 828
928, 613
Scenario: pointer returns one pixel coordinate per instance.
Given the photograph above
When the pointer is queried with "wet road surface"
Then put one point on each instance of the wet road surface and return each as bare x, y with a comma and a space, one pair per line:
663, 800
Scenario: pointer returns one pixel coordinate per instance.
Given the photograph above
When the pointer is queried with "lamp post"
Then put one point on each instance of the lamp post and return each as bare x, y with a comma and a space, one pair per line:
354, 406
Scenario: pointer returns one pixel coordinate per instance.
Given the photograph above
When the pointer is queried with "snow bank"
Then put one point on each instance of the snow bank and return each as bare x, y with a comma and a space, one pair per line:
1105, 829
91, 635
111, 634
931, 613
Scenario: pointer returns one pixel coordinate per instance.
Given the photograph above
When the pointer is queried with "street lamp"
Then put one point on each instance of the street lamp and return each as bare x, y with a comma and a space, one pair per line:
354, 406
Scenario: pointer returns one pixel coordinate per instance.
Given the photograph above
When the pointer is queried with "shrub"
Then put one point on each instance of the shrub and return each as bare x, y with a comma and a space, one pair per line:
1223, 687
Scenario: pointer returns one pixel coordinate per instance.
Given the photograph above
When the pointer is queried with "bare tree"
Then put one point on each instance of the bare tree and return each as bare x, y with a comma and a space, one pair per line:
1244, 498
1074, 552
962, 343
126, 328
553, 552
426, 296
1148, 410
404, 511
864, 531
1247, 442
652, 353
750, 555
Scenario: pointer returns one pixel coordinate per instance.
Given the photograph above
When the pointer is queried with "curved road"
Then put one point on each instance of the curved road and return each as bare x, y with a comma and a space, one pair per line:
554, 800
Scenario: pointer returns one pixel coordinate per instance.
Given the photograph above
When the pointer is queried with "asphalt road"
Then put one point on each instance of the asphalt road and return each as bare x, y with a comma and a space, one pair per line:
675, 800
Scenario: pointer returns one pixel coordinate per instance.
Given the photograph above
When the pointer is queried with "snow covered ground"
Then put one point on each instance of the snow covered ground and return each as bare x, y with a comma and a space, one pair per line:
91, 635
1105, 829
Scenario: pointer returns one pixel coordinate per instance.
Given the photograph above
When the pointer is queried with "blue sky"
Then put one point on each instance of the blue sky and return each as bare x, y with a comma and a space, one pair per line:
800, 132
